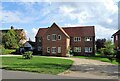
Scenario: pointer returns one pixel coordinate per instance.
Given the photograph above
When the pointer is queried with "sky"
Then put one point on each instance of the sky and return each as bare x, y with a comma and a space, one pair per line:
31, 15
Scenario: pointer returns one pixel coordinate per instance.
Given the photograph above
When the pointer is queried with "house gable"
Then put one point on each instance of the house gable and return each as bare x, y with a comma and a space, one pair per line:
55, 29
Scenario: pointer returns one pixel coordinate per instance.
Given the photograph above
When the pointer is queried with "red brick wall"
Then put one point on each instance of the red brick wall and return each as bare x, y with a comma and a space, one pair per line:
58, 43
83, 44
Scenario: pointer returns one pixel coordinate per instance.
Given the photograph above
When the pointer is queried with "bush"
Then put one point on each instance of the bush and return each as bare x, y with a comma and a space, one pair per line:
27, 55
6, 51
118, 57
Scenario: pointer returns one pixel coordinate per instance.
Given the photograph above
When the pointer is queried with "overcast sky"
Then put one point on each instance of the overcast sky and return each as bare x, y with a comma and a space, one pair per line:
34, 15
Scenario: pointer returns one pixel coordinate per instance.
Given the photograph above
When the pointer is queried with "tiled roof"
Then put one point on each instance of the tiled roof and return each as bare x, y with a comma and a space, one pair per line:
80, 31
118, 32
41, 32
72, 31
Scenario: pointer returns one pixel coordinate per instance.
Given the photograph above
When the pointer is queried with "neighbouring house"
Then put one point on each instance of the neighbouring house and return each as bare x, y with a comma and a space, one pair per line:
20, 33
59, 41
116, 37
29, 46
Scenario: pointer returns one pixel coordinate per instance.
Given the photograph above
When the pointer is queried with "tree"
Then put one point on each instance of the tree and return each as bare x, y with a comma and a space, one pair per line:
118, 56
100, 44
108, 50
10, 39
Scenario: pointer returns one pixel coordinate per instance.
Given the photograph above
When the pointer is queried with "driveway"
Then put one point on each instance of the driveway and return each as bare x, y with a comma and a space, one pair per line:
91, 69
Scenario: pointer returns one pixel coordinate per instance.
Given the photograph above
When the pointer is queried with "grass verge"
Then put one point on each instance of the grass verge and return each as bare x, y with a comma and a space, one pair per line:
36, 64
97, 58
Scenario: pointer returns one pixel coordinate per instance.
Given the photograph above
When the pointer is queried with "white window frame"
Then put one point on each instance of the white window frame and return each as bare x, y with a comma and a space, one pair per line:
59, 36
53, 51
116, 37
48, 37
88, 49
48, 49
76, 49
88, 38
53, 37
59, 49
76, 39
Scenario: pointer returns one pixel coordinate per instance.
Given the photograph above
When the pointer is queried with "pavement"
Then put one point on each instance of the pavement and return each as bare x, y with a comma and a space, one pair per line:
81, 69
8, 74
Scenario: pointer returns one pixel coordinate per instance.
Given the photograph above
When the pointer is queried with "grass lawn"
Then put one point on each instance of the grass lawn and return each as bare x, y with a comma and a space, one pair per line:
36, 64
97, 58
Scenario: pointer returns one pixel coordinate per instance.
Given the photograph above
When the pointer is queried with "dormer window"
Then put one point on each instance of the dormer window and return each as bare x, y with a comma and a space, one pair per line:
48, 37
59, 37
88, 38
54, 37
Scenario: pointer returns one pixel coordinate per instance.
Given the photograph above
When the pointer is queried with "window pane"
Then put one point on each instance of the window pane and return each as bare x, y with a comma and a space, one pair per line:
90, 49
54, 37
77, 49
53, 49
59, 37
48, 37
48, 50
86, 49
59, 49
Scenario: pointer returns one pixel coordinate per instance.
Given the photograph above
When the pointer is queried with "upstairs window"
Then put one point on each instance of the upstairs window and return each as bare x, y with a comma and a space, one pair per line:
59, 37
88, 38
77, 49
116, 37
77, 39
48, 37
54, 37
88, 49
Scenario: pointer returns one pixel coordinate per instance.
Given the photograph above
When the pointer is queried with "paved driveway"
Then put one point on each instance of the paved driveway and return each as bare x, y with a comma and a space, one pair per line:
91, 69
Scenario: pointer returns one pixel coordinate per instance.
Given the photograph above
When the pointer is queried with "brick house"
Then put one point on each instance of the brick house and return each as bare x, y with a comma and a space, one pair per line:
20, 32
116, 38
57, 40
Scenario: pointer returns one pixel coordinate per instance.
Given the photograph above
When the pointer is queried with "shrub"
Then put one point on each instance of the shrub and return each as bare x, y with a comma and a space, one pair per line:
4, 51
118, 57
27, 55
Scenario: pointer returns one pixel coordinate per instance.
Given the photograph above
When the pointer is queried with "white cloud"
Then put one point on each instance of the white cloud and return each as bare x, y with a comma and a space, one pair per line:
31, 33
102, 13
34, 30
10, 16
14, 17
66, 10
102, 32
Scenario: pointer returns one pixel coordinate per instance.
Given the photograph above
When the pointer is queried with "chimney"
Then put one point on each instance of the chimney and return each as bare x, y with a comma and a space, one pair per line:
12, 27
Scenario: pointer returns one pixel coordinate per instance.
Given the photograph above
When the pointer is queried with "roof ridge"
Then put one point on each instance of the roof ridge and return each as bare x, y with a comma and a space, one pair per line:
77, 26
61, 29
